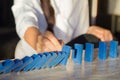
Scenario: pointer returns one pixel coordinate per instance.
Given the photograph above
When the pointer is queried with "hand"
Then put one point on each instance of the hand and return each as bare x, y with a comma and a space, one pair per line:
48, 42
101, 33
42, 42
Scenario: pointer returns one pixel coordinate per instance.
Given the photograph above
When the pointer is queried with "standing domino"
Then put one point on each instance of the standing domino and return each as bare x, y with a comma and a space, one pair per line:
113, 49
67, 50
77, 53
89, 52
102, 53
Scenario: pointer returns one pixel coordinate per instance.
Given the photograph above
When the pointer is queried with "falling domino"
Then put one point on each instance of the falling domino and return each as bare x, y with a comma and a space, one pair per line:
67, 50
89, 52
77, 53
26, 61
48, 56
31, 65
16, 64
102, 52
60, 58
113, 49
40, 62
54, 56
6, 65
57, 58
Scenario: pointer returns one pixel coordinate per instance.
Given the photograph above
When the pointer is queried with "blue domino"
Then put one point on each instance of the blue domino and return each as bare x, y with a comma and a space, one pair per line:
77, 53
16, 64
67, 50
59, 59
1, 67
41, 62
55, 59
26, 61
31, 65
5, 65
102, 52
36, 64
113, 49
52, 58
89, 52
48, 56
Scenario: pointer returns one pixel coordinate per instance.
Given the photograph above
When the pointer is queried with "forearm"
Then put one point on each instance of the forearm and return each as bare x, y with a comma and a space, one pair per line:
31, 36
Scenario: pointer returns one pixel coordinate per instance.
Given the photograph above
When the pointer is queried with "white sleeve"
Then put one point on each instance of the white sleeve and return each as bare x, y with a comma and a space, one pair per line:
25, 15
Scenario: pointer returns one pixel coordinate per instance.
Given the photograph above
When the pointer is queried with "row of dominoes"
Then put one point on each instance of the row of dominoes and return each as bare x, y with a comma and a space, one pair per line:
51, 59
104, 51
36, 61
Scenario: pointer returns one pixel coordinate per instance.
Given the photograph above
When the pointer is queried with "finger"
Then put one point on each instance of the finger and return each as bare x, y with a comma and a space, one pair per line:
53, 39
47, 45
45, 49
111, 37
98, 34
39, 44
101, 37
61, 43
108, 36
103, 34
38, 48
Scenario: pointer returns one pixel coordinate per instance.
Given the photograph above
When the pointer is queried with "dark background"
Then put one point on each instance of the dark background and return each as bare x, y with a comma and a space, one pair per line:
8, 35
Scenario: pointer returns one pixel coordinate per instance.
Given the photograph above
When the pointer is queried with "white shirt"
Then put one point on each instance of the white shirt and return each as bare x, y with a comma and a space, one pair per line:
71, 17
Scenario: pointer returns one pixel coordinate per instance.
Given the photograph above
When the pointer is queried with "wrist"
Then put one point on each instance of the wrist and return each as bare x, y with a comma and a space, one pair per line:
31, 36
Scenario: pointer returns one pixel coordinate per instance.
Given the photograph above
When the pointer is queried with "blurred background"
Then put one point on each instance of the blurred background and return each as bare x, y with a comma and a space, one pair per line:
8, 36
108, 16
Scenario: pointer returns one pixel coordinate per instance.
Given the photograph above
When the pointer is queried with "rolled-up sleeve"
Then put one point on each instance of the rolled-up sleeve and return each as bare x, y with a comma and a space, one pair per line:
25, 16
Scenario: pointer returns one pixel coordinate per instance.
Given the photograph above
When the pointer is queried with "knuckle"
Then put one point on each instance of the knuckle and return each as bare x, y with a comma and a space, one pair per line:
46, 42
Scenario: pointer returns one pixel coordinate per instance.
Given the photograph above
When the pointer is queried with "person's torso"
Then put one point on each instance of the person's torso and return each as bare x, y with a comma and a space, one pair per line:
67, 16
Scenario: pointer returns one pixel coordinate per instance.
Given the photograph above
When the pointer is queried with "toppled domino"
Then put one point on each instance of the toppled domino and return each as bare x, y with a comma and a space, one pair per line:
67, 50
26, 61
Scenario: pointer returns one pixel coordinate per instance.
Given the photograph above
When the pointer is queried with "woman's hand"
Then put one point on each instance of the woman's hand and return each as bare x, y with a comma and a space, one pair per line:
101, 33
48, 42
42, 42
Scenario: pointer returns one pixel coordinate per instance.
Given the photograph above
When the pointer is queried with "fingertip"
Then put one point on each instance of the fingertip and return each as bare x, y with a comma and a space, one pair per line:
61, 45
102, 39
111, 37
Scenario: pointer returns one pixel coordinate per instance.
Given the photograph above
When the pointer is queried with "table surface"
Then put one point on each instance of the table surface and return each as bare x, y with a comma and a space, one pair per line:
98, 69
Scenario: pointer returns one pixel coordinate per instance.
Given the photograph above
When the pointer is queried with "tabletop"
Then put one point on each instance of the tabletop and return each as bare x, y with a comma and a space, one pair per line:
99, 69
